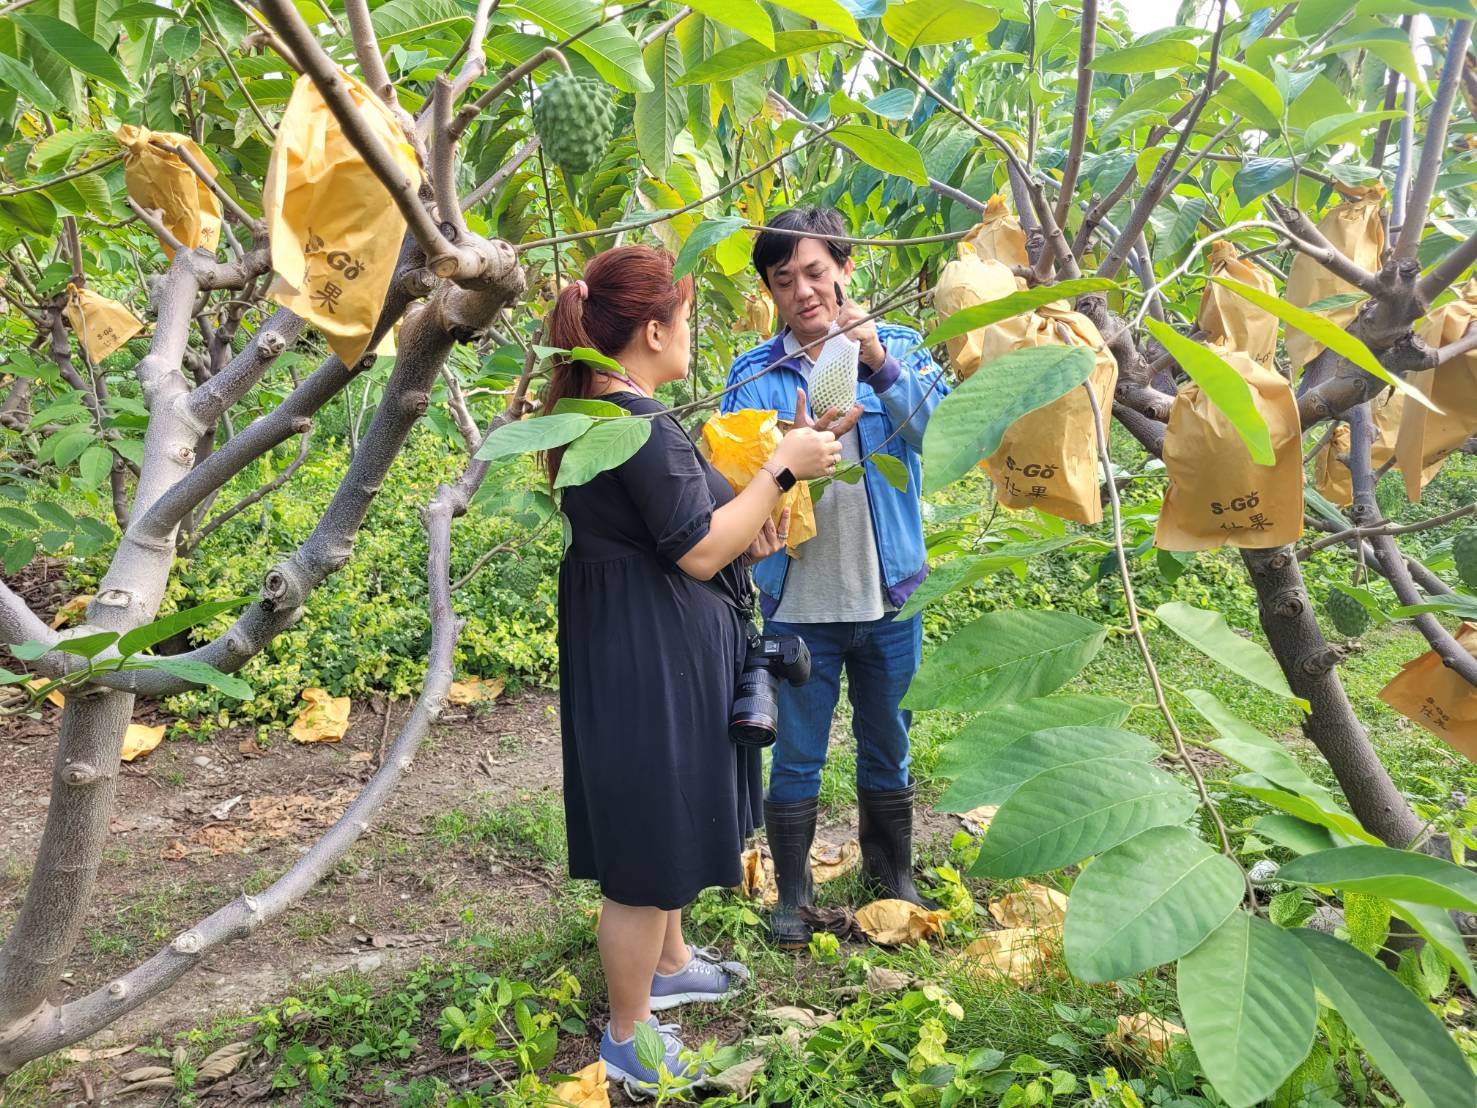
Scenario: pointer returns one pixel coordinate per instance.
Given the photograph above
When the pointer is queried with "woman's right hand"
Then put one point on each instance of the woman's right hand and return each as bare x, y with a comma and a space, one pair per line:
808, 453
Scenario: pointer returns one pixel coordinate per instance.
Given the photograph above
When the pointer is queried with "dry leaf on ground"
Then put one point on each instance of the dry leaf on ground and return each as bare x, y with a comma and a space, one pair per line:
1147, 1033
74, 607
757, 880
85, 1054
223, 1062
324, 720
267, 819
802, 1017
588, 1088
474, 690
896, 922
139, 739
829, 861
1018, 953
736, 1080
977, 820
880, 979
1032, 906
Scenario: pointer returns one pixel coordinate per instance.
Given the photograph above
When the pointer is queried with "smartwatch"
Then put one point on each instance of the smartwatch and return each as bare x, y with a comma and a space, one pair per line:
782, 477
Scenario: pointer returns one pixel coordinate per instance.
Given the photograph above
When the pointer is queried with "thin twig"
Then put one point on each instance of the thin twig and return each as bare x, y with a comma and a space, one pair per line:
1433, 142
471, 111
1385, 529
154, 218
1080, 111
216, 521
72, 176
506, 170
251, 103
256, 226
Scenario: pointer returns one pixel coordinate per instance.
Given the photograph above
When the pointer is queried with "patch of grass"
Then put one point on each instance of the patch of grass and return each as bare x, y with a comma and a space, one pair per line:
531, 826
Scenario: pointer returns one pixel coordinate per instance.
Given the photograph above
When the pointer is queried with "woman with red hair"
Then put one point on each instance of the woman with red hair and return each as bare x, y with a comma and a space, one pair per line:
654, 598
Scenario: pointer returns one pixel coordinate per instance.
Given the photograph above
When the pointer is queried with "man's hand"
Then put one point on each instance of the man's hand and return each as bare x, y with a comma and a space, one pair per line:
832, 421
873, 353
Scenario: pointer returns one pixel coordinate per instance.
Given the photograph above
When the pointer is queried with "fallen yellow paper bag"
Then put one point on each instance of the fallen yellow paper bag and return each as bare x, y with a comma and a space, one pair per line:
1233, 321
1048, 459
1216, 494
475, 690
1147, 1033
53, 697
1355, 227
967, 282
737, 444
829, 861
1426, 438
101, 325
334, 229
139, 739
74, 607
157, 177
1017, 953
1033, 906
323, 720
756, 879
997, 235
587, 1089
1426, 692
898, 922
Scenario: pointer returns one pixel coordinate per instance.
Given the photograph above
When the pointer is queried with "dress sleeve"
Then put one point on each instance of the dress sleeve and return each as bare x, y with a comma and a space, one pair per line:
667, 483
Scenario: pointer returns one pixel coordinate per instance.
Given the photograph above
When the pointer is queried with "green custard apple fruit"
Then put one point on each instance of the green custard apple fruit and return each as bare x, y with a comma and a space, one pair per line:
573, 118
1350, 618
1464, 553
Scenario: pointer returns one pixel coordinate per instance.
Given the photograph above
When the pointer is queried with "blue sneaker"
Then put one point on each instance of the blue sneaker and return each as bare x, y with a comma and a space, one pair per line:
622, 1065
703, 979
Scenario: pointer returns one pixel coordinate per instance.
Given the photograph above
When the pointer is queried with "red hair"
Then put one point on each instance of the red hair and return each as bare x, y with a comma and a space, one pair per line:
623, 290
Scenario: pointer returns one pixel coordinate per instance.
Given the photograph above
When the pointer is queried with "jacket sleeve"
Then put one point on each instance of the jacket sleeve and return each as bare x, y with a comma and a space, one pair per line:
747, 395
909, 385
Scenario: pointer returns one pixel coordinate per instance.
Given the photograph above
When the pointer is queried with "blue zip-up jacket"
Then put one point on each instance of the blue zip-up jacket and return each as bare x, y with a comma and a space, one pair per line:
900, 396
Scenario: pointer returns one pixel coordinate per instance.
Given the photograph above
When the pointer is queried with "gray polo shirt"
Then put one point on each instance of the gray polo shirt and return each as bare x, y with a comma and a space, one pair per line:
836, 576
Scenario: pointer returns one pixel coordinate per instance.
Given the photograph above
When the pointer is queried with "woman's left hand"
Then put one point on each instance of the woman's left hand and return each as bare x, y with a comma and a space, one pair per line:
771, 538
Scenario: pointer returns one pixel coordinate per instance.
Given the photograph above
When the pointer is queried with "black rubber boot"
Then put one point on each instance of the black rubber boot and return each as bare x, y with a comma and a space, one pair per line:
791, 828
886, 832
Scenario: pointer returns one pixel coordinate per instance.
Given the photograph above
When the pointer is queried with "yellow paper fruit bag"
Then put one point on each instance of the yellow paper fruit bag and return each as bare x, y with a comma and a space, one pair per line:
159, 178
997, 236
101, 325
737, 444
1354, 227
967, 281
324, 718
1048, 459
1427, 692
1216, 493
1332, 478
1426, 438
1230, 320
335, 231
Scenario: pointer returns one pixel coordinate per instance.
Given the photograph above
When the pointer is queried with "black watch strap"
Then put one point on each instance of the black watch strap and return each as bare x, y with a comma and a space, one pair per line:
784, 479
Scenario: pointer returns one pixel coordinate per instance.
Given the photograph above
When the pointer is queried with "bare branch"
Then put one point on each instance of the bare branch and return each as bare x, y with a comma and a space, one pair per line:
504, 171
94, 167
1447, 271
476, 64
1309, 240
1087, 42
224, 389
1385, 529
153, 218
251, 103
1392, 93
443, 158
664, 27
1457, 347
18, 623
367, 50
255, 226
1433, 142
247, 501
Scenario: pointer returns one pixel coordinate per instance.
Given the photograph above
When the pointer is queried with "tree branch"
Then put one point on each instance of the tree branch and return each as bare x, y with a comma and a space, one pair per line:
1080, 110
1447, 271
1433, 143
504, 171
366, 50
257, 228
216, 521
476, 64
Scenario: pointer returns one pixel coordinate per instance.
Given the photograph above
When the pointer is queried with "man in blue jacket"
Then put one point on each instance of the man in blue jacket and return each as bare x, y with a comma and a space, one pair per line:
841, 590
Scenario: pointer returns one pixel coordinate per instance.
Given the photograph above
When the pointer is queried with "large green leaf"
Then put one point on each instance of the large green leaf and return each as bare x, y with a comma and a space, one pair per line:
1262, 89
200, 673
610, 48
1066, 814
1408, 1044
1344, 127
528, 435
84, 53
1225, 387
1436, 927
1329, 334
824, 13
1383, 871
1248, 1002
742, 15
1004, 656
961, 572
1146, 902
1017, 303
662, 112
882, 150
993, 779
1244, 744
1209, 633
408, 20
24, 81
604, 446
1302, 807
1149, 57
935, 22
969, 423
708, 233
990, 732
731, 61
1297, 835
141, 638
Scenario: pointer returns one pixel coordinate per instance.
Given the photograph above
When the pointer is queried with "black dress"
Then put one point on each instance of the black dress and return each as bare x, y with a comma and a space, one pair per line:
657, 800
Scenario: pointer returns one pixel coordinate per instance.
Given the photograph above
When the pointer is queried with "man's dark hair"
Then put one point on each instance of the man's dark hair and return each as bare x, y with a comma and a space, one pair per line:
773, 247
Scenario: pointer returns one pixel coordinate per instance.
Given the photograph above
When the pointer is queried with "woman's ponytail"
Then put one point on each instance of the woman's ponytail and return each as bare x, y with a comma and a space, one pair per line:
622, 289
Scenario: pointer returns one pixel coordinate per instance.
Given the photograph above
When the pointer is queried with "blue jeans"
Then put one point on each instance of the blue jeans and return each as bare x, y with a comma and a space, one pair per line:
880, 658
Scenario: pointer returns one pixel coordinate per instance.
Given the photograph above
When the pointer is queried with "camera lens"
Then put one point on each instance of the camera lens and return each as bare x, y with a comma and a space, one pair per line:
755, 714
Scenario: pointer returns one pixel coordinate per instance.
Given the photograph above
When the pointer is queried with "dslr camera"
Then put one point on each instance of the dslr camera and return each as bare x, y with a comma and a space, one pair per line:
755, 716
